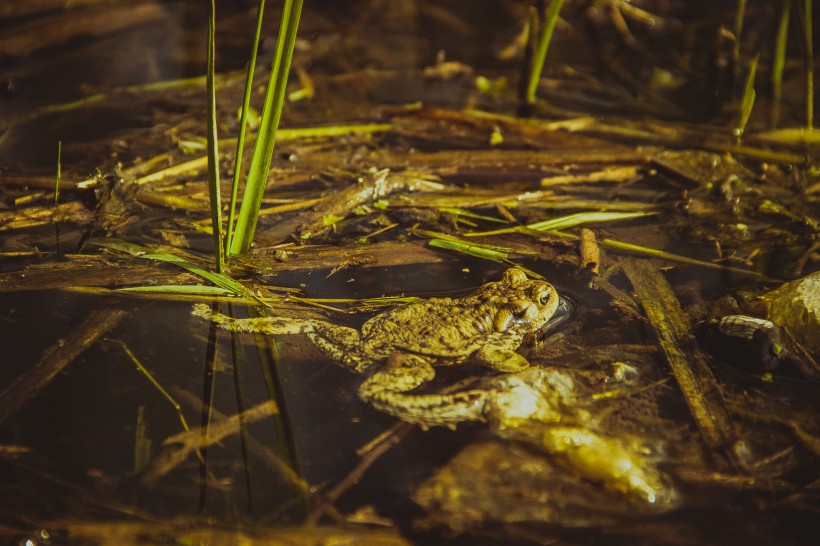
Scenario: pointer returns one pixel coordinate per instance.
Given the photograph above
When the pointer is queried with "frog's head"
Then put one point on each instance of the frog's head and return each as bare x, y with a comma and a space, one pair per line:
525, 305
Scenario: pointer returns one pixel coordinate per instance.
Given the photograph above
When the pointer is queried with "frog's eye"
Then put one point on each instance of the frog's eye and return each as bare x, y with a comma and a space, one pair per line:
545, 296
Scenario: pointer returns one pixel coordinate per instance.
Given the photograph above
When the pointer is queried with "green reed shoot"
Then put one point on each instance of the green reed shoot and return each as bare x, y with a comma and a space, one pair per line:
737, 29
213, 146
809, 62
59, 171
57, 199
271, 113
243, 123
779, 62
541, 27
747, 102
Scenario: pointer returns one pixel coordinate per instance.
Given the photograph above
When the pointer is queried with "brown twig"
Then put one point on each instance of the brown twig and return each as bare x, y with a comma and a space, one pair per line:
55, 359
688, 365
193, 440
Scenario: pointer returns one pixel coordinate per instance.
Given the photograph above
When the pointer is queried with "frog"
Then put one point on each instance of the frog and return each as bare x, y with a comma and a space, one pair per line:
401, 348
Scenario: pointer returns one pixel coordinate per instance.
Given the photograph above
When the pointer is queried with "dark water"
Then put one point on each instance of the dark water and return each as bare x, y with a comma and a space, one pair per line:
69, 453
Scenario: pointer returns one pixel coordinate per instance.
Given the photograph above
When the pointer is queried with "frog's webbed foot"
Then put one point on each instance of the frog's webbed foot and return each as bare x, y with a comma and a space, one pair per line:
261, 325
386, 391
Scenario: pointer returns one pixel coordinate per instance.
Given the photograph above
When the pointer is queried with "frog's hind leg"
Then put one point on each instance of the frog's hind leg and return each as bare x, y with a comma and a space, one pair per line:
260, 325
386, 391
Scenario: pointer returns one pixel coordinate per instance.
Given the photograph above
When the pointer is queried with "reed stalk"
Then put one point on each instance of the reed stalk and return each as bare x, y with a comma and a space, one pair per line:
271, 113
809, 62
213, 146
747, 102
542, 25
243, 124
779, 62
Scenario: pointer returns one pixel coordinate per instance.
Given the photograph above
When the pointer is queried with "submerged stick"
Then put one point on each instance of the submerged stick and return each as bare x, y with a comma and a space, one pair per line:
56, 358
688, 364
269, 457
179, 446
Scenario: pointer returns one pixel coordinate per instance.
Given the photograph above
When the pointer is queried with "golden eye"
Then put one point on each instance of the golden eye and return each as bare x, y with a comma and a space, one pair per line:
545, 296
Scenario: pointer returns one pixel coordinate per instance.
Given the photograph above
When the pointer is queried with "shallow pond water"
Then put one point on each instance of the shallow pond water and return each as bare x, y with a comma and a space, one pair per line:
123, 415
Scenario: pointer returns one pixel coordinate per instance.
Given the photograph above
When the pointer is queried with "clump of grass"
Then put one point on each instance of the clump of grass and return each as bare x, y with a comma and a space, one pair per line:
240, 235
804, 15
271, 112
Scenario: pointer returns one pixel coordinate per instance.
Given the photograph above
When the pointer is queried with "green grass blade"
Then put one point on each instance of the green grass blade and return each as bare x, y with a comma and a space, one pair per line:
57, 199
213, 146
457, 211
779, 62
157, 385
807, 32
748, 100
59, 172
544, 35
565, 222
740, 13
332, 131
271, 113
243, 123
793, 136
180, 289
479, 251
485, 252
580, 218
220, 279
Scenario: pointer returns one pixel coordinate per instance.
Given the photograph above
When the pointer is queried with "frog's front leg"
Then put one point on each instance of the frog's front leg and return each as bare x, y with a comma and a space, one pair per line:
386, 390
502, 357
342, 344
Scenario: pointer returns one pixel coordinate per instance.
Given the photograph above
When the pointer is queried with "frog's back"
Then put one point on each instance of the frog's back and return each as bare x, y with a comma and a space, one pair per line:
439, 327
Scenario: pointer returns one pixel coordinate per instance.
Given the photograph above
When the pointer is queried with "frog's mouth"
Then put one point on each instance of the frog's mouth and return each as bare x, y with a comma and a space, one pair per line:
566, 310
